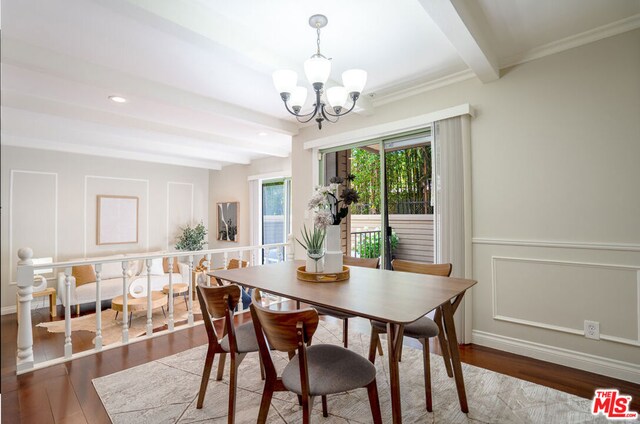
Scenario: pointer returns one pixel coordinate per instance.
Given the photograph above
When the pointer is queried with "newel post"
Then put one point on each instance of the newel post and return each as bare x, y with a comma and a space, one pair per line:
291, 248
24, 360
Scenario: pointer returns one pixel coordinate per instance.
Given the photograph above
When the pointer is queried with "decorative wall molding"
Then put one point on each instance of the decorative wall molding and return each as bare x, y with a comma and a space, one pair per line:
627, 247
423, 87
596, 34
55, 218
169, 183
563, 329
597, 364
86, 185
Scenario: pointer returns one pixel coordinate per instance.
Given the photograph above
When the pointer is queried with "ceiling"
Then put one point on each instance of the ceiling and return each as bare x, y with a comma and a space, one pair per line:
197, 73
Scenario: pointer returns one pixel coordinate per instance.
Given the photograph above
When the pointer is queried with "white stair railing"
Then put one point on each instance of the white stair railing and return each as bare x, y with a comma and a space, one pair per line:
25, 278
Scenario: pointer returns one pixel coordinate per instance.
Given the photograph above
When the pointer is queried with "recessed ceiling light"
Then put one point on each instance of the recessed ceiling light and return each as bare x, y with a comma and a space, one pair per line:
263, 134
117, 99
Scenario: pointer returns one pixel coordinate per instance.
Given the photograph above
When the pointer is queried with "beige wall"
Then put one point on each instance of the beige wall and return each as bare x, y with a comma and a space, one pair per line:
54, 204
555, 158
231, 185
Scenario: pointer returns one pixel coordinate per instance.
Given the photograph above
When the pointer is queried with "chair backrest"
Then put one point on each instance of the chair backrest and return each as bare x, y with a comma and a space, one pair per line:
217, 299
236, 263
362, 262
281, 327
219, 302
442, 270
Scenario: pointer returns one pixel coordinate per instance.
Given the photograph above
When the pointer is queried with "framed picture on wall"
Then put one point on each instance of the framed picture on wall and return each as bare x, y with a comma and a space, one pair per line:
228, 213
117, 220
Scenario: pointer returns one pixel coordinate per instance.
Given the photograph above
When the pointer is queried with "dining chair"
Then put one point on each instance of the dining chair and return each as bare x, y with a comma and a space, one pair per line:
351, 261
219, 302
422, 329
312, 371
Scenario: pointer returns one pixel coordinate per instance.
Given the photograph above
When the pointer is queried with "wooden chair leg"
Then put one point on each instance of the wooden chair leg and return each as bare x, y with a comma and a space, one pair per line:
325, 409
380, 350
400, 353
265, 403
345, 332
221, 361
306, 410
233, 382
206, 373
374, 402
373, 343
78, 310
262, 372
427, 372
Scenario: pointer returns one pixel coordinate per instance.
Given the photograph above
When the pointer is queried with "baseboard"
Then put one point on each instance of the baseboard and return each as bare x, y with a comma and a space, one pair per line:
597, 364
6, 310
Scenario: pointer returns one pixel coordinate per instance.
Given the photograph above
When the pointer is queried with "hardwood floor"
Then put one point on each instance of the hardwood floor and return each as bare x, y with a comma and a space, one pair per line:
64, 393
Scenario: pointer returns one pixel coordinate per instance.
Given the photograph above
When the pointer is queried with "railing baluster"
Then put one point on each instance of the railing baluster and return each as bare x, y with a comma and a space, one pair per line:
68, 349
98, 343
125, 307
149, 310
190, 312
24, 354
225, 260
170, 323
208, 279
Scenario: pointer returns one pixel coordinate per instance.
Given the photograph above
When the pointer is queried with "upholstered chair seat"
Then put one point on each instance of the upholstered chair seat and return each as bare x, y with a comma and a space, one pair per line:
420, 328
245, 339
332, 369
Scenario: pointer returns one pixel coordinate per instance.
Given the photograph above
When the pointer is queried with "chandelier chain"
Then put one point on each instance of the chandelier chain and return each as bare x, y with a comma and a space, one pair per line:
318, 41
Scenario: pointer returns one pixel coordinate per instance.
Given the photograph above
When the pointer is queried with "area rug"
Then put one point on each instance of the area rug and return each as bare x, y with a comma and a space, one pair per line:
112, 327
165, 391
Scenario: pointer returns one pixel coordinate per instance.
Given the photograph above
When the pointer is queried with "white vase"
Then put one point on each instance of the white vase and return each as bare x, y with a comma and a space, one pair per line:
333, 254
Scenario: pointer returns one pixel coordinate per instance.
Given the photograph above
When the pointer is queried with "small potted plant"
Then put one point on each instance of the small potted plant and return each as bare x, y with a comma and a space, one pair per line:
192, 238
313, 243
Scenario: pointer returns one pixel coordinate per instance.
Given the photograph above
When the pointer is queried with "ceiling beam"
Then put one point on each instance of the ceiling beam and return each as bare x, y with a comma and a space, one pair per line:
47, 127
34, 143
463, 24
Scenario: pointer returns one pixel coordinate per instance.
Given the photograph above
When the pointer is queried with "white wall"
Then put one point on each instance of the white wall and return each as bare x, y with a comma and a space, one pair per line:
231, 185
555, 159
54, 204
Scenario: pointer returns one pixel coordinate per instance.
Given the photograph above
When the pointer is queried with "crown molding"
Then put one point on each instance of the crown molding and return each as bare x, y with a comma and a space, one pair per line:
596, 34
423, 87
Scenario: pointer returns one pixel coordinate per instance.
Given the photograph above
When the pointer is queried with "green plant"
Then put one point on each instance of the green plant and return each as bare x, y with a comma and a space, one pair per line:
192, 238
313, 240
370, 246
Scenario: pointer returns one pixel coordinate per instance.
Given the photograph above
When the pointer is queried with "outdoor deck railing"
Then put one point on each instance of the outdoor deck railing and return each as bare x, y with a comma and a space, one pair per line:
25, 362
364, 242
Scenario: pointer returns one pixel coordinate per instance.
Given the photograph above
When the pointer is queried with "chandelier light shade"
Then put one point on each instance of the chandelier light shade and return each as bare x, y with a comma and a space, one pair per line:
329, 103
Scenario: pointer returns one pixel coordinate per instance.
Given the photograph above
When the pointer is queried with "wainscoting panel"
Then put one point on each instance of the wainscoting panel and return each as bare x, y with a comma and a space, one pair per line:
35, 195
560, 295
179, 209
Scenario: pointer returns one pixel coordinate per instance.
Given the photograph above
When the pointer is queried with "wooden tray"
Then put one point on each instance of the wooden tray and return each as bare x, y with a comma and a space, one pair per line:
319, 277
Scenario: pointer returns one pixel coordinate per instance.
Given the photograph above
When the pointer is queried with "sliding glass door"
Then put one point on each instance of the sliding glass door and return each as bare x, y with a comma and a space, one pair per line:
394, 216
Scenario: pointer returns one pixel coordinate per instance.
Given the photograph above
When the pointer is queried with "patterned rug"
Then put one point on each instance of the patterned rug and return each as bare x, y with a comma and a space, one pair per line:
165, 391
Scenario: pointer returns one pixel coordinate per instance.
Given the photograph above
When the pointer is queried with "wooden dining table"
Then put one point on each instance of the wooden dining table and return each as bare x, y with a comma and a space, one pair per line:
397, 298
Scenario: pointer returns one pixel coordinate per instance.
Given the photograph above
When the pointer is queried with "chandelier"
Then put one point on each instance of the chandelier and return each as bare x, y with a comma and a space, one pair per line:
317, 69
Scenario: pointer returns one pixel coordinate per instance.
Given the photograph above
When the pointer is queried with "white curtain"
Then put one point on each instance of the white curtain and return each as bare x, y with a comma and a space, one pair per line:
451, 151
255, 221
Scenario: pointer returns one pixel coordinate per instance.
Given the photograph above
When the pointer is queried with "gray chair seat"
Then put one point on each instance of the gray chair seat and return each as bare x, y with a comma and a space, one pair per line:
332, 312
332, 369
245, 338
420, 328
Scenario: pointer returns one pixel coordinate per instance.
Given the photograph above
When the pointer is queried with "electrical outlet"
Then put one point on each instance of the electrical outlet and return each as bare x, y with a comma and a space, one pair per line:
592, 330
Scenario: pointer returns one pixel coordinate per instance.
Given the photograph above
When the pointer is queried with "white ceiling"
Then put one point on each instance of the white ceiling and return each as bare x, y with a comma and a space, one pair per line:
197, 73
